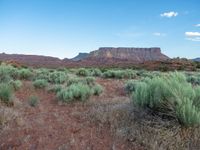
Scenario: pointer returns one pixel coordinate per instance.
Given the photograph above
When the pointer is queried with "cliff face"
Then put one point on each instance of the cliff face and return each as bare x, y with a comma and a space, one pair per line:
80, 56
135, 54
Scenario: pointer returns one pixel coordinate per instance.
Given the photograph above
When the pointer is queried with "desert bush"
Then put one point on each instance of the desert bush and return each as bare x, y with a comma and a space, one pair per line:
42, 73
97, 89
119, 74
96, 72
6, 93
170, 95
82, 72
15, 84
55, 88
33, 101
89, 80
73, 80
40, 83
25, 74
58, 77
5, 72
78, 91
130, 86
195, 80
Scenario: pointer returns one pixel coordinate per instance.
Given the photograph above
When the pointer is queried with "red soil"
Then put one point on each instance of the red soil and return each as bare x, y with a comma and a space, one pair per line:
51, 126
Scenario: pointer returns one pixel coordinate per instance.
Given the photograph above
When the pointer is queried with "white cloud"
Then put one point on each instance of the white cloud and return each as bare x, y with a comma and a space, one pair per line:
169, 14
197, 25
192, 34
159, 34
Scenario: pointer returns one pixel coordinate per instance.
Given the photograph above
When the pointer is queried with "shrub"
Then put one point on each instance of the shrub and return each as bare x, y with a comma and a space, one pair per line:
119, 74
97, 89
16, 84
25, 74
89, 80
130, 86
82, 72
33, 101
5, 73
42, 73
96, 72
73, 81
172, 95
6, 93
58, 77
40, 83
55, 88
74, 92
195, 80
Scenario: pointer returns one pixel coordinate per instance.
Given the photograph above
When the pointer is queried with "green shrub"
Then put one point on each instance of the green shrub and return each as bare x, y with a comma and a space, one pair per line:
58, 77
172, 95
130, 86
42, 73
195, 80
89, 80
16, 84
74, 92
40, 83
55, 88
33, 101
96, 72
119, 74
97, 89
25, 74
82, 72
73, 81
5, 73
6, 93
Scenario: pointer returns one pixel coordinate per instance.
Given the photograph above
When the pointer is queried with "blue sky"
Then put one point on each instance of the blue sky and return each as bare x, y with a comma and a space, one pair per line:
63, 28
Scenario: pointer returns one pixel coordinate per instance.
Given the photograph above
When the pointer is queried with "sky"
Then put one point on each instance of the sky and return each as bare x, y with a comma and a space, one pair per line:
63, 28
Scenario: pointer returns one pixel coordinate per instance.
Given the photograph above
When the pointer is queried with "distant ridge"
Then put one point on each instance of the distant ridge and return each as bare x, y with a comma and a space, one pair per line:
104, 56
80, 56
196, 59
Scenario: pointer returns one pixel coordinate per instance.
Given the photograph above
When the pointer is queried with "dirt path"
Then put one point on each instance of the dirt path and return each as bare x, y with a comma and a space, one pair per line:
51, 126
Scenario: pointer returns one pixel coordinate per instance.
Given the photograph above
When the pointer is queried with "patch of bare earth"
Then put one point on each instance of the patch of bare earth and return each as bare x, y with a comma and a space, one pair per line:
51, 126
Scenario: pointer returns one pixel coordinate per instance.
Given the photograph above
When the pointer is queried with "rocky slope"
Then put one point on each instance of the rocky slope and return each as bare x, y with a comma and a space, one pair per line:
31, 60
80, 56
133, 54
196, 59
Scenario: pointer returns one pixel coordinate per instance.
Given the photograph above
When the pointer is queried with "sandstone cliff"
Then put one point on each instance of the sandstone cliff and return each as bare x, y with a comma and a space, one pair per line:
123, 53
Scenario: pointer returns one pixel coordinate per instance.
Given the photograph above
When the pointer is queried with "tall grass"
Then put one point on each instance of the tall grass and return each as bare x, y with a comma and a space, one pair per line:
171, 95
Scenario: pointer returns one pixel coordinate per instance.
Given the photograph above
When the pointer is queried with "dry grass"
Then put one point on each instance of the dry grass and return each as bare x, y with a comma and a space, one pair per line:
141, 127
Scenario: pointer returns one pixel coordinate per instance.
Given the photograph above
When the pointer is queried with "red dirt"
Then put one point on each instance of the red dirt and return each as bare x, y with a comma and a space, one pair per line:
51, 126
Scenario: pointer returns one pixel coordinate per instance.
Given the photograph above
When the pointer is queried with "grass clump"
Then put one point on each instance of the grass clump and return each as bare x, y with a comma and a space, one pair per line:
82, 72
130, 86
74, 92
119, 74
40, 83
58, 77
25, 74
170, 95
16, 84
97, 89
6, 93
33, 101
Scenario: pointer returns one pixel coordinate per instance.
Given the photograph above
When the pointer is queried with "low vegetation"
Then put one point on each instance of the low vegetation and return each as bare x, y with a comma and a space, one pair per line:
33, 101
170, 95
40, 83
